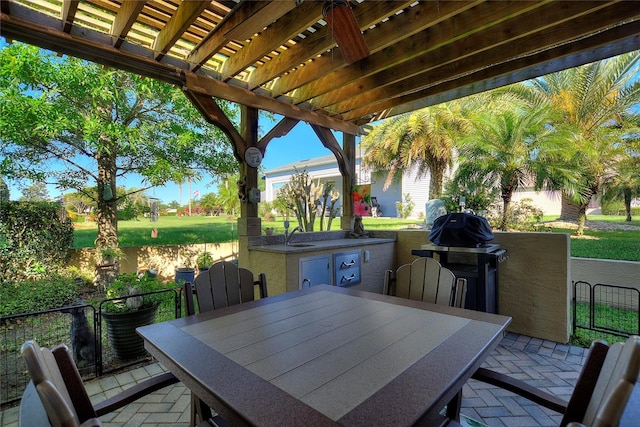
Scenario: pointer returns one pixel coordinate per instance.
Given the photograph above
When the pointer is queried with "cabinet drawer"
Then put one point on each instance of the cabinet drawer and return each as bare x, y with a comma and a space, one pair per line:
346, 268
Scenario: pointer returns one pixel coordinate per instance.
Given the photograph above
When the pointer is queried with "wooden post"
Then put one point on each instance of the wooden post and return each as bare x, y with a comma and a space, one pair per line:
349, 148
248, 224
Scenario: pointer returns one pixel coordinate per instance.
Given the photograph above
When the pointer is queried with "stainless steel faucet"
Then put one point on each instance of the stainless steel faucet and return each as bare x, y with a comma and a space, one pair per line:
287, 235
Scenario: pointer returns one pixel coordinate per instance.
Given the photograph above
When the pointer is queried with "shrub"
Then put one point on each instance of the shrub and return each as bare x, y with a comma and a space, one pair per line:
266, 211
35, 239
56, 290
82, 277
131, 284
478, 197
75, 218
613, 207
523, 215
405, 209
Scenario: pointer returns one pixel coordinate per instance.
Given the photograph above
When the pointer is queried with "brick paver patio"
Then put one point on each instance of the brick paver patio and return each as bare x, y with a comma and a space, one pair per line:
544, 364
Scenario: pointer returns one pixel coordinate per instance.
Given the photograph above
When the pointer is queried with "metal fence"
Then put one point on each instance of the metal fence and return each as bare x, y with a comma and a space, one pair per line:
608, 312
69, 325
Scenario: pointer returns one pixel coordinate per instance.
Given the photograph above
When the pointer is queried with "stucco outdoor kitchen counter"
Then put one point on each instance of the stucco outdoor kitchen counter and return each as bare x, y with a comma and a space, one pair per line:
318, 245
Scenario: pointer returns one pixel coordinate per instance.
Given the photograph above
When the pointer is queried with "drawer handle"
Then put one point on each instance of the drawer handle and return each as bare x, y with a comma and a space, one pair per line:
347, 265
347, 279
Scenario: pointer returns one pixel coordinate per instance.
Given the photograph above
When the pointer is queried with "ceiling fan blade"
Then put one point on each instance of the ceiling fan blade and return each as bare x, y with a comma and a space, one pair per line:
346, 30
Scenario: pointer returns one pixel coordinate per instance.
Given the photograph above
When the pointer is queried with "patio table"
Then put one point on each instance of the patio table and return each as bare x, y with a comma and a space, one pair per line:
327, 356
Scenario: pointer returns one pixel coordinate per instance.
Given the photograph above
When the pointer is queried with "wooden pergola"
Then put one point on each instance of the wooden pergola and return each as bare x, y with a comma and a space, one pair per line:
282, 57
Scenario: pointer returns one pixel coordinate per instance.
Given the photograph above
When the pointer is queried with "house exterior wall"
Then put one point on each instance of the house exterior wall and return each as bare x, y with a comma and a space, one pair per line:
549, 201
326, 168
418, 188
386, 198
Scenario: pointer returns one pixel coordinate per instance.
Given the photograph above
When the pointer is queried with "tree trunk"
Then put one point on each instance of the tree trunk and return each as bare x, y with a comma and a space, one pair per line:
435, 189
107, 200
506, 204
627, 203
569, 210
582, 218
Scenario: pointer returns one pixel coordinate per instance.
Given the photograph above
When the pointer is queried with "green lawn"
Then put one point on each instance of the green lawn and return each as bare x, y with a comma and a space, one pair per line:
173, 230
612, 244
615, 244
623, 321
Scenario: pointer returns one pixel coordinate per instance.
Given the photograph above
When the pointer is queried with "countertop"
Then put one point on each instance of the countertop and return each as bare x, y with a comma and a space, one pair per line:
319, 245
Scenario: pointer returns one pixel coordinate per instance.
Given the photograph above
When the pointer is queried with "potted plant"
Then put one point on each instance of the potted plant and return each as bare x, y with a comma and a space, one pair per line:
108, 255
128, 306
204, 261
186, 272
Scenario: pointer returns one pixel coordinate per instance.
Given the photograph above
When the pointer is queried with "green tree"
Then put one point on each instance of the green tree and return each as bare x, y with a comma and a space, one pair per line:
504, 148
228, 195
136, 202
594, 102
36, 192
71, 123
210, 202
81, 201
424, 139
5, 195
624, 181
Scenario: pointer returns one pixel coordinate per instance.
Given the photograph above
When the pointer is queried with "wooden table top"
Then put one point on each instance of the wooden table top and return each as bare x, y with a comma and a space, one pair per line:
326, 356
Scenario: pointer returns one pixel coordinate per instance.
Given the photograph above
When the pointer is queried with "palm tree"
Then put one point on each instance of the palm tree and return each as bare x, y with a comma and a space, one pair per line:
424, 139
228, 195
504, 148
593, 101
624, 183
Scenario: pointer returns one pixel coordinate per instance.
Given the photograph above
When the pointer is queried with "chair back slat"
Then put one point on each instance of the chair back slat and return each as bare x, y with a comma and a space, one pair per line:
202, 286
403, 281
59, 410
42, 367
460, 293
222, 281
189, 306
389, 287
224, 285
612, 409
445, 292
227, 293
622, 363
73, 382
423, 280
247, 292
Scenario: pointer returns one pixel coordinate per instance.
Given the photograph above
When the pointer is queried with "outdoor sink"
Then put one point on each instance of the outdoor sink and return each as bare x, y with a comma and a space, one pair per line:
301, 245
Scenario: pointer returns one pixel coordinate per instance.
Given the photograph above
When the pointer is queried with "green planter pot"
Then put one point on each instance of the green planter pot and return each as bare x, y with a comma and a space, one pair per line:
121, 330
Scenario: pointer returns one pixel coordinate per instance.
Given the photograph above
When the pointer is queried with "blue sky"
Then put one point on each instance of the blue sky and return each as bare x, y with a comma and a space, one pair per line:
299, 144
